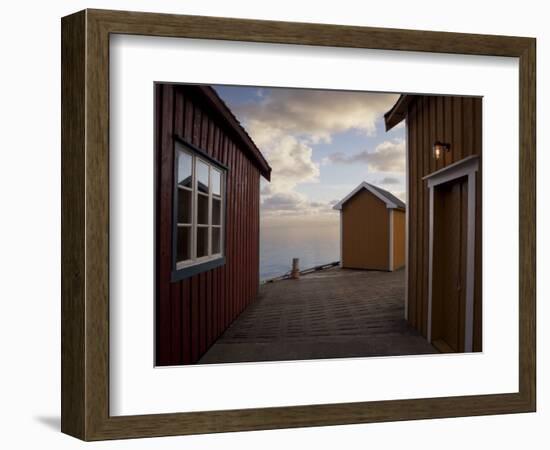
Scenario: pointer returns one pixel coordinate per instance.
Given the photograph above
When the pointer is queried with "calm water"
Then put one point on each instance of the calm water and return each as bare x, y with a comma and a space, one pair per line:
313, 245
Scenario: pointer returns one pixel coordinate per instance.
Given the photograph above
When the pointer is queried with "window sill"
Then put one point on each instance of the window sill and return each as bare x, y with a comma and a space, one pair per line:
187, 272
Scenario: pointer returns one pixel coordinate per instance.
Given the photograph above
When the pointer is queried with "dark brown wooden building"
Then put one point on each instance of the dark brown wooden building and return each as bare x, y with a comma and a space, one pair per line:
444, 146
207, 220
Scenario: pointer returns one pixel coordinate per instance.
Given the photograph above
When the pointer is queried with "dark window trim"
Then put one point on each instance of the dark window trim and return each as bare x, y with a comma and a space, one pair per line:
200, 152
187, 272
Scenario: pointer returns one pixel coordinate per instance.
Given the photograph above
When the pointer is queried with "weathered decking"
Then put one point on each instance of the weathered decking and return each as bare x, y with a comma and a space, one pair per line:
335, 313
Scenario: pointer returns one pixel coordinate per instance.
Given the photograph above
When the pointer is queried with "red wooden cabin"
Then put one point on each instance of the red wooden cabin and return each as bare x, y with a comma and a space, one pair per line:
207, 220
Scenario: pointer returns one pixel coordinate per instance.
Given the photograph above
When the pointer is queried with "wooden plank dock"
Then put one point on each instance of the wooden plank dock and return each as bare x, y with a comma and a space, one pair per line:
330, 313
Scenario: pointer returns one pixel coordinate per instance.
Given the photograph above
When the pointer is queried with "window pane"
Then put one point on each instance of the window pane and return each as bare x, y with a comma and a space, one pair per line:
202, 209
202, 241
216, 234
185, 162
183, 244
202, 176
184, 206
216, 211
216, 182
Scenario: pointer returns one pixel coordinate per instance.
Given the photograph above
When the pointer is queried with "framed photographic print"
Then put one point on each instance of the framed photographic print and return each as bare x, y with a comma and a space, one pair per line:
270, 224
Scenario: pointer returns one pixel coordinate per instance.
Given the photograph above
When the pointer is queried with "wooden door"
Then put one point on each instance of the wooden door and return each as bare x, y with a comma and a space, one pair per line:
449, 265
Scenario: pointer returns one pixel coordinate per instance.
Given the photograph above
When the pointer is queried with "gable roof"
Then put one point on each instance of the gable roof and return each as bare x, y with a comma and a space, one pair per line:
391, 201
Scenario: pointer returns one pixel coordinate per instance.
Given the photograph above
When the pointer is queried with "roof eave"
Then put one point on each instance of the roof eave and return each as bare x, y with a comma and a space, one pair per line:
364, 185
227, 114
398, 112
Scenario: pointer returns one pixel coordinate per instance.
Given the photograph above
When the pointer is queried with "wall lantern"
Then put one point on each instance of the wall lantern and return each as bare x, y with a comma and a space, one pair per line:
439, 147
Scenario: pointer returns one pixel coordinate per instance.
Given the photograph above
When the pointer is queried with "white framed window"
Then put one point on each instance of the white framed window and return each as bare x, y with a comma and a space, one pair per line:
199, 205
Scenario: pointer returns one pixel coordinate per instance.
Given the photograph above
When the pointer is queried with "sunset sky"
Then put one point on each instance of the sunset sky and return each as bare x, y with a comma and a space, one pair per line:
321, 145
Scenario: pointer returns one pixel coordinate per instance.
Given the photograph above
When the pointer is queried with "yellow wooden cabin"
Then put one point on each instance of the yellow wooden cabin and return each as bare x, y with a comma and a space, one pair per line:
372, 229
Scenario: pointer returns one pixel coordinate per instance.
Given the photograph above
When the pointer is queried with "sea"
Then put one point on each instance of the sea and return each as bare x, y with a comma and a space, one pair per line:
313, 245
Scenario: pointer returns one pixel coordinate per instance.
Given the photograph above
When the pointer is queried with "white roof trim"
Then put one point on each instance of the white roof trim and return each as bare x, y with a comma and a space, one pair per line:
368, 187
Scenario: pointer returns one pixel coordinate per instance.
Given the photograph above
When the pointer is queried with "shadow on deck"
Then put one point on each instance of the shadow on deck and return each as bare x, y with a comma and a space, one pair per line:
335, 313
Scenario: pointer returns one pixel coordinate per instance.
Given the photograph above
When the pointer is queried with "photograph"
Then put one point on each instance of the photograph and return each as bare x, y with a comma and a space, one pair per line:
306, 224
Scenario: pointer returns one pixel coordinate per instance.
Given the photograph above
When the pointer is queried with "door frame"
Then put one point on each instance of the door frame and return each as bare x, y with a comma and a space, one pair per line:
465, 167
390, 240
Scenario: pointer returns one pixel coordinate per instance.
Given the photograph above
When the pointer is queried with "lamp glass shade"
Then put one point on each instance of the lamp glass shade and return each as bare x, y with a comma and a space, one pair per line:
437, 150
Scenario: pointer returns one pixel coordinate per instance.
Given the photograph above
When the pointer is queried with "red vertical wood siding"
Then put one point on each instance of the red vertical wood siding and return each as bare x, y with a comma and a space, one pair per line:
456, 120
191, 314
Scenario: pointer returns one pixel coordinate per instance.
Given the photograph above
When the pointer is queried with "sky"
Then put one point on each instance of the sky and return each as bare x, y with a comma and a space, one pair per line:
320, 145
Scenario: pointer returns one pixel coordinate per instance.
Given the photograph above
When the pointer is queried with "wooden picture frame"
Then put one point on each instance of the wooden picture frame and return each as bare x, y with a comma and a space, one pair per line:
85, 224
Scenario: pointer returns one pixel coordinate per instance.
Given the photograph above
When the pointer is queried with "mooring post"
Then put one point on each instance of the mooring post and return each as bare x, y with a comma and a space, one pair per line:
295, 274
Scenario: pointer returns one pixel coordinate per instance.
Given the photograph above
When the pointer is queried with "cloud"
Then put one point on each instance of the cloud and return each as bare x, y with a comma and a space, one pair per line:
314, 115
389, 156
390, 181
291, 162
292, 203
284, 201
286, 123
